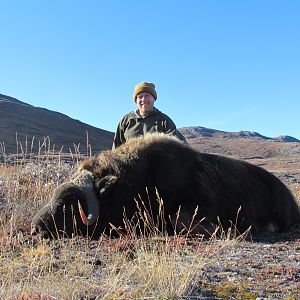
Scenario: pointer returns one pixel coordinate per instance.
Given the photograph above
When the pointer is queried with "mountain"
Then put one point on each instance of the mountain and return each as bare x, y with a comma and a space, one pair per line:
286, 138
243, 144
198, 131
32, 126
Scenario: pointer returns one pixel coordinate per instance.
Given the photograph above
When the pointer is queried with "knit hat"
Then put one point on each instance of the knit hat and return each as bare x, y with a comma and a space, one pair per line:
145, 87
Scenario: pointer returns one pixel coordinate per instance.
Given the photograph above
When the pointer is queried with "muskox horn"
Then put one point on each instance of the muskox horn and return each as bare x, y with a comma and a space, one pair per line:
85, 182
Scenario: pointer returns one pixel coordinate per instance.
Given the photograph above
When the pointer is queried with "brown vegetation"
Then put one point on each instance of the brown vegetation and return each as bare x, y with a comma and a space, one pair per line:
230, 266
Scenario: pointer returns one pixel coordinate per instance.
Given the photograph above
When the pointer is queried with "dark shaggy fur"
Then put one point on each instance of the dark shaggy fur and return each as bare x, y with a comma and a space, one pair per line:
184, 178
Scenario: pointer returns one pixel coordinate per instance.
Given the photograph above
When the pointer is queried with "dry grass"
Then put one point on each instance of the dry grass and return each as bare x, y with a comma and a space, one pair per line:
74, 269
155, 266
296, 191
126, 268
131, 267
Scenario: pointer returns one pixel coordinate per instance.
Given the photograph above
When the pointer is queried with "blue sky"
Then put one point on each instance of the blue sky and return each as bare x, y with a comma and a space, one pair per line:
227, 65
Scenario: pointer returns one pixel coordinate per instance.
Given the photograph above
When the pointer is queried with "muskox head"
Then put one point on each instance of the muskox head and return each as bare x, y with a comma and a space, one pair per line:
73, 208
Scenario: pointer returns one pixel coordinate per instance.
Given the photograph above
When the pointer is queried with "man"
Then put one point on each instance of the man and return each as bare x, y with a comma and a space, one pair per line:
146, 118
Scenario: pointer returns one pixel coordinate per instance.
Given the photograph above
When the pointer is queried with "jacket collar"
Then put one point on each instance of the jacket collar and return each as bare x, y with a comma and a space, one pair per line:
135, 114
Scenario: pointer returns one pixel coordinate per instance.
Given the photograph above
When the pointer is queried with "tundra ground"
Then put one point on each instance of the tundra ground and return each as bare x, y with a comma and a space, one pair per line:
230, 266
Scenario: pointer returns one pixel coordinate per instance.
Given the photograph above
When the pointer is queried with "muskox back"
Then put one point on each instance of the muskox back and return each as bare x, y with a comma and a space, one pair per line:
263, 201
221, 190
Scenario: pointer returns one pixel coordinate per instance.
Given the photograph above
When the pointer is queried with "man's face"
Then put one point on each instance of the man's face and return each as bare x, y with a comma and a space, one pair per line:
145, 102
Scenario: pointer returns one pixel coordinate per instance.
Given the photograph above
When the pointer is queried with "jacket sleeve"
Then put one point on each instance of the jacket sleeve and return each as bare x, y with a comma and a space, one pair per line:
180, 136
172, 130
119, 138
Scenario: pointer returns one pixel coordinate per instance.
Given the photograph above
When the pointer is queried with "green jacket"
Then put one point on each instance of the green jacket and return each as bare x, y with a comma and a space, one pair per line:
133, 125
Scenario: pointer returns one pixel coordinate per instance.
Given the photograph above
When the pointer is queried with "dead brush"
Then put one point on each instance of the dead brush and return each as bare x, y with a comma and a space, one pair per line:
131, 267
296, 192
147, 262
160, 265
144, 262
27, 180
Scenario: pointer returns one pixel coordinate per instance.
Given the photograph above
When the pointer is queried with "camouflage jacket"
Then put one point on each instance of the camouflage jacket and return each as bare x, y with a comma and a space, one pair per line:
133, 125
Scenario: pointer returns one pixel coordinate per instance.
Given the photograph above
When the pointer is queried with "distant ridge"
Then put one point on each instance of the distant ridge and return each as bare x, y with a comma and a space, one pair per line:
286, 138
30, 122
198, 131
4, 98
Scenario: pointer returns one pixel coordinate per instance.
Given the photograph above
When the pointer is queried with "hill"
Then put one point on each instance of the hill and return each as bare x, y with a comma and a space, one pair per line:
39, 124
198, 131
243, 144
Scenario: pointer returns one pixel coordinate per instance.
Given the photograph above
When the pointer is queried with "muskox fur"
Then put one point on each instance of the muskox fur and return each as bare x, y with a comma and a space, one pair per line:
220, 190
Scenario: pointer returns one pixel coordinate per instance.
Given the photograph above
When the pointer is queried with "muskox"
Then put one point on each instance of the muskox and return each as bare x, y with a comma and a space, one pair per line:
198, 188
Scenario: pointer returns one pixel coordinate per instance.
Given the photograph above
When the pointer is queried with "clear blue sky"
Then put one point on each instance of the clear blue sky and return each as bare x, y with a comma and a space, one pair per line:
227, 65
